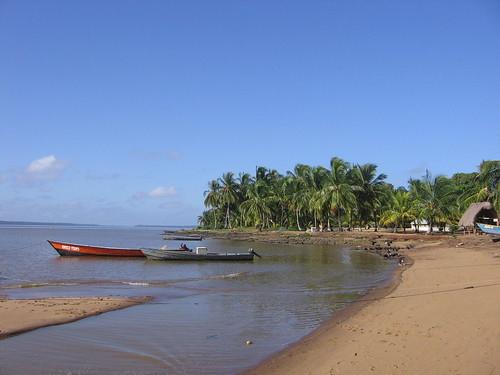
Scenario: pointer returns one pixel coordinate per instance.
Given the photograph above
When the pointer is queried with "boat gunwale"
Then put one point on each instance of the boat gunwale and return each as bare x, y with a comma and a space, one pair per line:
159, 254
159, 251
93, 246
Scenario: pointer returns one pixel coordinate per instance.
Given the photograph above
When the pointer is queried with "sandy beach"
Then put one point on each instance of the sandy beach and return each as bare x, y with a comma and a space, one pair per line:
442, 318
22, 315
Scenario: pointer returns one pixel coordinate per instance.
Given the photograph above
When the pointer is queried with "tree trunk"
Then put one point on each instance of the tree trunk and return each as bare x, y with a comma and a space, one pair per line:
282, 215
297, 216
215, 220
228, 223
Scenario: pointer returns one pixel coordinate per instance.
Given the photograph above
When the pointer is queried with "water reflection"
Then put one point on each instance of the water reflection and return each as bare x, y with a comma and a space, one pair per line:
202, 312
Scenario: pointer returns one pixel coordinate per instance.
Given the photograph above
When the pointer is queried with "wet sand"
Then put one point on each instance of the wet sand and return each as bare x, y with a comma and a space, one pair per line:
442, 318
22, 315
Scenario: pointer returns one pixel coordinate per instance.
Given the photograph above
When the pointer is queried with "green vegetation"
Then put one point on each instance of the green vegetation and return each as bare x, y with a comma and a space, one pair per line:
343, 196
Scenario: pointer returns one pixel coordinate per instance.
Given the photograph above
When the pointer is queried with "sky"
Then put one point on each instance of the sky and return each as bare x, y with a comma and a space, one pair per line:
120, 112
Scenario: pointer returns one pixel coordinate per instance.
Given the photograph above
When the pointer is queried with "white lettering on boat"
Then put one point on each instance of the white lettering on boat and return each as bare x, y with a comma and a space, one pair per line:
72, 248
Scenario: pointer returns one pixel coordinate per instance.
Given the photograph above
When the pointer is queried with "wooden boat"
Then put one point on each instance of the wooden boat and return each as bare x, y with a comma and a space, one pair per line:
71, 249
200, 253
489, 229
182, 237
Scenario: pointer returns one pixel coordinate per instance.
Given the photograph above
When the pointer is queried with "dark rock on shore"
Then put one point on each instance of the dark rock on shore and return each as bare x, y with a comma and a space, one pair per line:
387, 245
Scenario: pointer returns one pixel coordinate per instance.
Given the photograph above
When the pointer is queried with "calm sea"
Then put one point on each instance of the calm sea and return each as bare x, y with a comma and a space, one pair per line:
201, 315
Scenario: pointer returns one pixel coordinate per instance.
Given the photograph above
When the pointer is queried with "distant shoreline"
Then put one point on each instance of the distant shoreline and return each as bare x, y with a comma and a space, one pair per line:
41, 223
163, 226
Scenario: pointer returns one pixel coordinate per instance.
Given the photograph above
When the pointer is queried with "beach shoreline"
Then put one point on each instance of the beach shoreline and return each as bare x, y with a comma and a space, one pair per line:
373, 335
23, 315
338, 317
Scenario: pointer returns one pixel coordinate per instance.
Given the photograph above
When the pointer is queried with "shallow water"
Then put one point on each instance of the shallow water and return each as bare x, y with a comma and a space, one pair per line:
201, 315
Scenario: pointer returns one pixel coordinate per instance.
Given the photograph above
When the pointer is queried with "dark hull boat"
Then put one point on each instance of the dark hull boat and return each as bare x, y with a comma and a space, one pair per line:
201, 253
181, 238
70, 249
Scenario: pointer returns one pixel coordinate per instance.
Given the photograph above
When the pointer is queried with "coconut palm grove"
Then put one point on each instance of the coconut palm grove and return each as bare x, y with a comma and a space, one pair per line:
344, 196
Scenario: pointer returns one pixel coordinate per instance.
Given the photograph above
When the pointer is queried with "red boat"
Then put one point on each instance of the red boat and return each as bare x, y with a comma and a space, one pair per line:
71, 249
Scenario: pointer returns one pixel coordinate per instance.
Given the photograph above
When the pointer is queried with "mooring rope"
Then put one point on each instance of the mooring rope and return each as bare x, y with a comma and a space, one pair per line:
426, 293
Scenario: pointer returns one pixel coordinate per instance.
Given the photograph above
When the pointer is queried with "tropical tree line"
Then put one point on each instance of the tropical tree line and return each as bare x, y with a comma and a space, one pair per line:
343, 196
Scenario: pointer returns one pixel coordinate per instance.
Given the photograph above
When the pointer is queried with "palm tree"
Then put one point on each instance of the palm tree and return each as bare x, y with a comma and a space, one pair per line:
314, 180
385, 195
435, 196
337, 191
311, 194
304, 186
419, 214
401, 211
280, 198
229, 194
371, 190
486, 185
260, 173
297, 196
256, 206
245, 181
213, 198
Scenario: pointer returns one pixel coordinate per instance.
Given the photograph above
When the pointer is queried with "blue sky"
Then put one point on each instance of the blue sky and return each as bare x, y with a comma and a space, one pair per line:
120, 112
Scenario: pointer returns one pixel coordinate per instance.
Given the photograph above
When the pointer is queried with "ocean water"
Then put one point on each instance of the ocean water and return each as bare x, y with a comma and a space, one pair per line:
201, 313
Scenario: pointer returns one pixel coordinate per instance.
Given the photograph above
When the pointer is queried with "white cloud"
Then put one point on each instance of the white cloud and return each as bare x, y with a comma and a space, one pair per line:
46, 165
162, 191
39, 171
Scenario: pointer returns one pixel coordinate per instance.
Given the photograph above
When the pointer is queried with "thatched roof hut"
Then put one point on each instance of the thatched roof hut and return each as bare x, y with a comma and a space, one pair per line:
475, 211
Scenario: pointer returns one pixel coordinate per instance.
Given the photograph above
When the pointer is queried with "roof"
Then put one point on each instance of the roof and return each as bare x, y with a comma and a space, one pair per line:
469, 217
